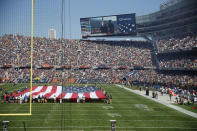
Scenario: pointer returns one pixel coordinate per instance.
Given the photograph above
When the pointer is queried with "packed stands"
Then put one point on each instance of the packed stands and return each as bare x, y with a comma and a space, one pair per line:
52, 75
153, 77
15, 50
88, 59
177, 56
189, 63
177, 44
92, 61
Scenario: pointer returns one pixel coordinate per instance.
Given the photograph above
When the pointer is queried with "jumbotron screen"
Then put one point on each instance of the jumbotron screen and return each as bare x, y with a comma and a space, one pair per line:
116, 25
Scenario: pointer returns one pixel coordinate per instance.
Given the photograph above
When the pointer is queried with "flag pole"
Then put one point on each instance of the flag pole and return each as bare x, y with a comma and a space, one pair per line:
62, 64
32, 14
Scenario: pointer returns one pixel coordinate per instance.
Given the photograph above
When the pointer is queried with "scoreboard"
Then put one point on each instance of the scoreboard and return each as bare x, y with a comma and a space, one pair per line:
115, 25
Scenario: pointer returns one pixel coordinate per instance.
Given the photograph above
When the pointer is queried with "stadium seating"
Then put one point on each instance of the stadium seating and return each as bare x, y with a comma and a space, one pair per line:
91, 61
177, 44
15, 50
153, 77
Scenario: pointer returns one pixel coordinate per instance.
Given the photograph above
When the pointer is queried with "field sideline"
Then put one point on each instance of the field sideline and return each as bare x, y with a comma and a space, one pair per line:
132, 112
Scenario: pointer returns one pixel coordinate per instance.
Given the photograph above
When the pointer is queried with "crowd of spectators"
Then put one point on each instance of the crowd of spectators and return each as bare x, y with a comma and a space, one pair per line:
189, 63
107, 76
151, 76
177, 44
177, 94
182, 95
15, 50
23, 75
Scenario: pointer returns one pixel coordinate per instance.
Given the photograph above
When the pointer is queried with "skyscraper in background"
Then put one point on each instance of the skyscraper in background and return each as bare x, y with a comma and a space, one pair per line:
52, 34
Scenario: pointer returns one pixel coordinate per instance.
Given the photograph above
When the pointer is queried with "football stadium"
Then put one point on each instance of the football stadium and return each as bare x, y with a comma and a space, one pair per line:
98, 65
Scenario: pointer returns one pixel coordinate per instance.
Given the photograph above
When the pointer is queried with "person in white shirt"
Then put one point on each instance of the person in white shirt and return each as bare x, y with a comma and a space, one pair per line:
21, 99
34, 98
16, 99
83, 98
195, 100
60, 100
78, 99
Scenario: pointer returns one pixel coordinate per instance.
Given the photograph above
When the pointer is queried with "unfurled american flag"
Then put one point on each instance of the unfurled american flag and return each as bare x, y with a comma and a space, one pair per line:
70, 93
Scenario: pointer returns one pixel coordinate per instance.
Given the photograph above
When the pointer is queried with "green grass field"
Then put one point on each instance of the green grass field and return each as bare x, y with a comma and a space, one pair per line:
132, 112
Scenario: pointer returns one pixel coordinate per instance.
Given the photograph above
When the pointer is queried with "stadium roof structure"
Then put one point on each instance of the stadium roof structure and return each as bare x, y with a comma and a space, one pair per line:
120, 38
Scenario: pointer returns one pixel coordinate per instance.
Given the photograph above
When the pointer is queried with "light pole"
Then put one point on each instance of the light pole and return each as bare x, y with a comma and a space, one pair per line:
5, 125
113, 124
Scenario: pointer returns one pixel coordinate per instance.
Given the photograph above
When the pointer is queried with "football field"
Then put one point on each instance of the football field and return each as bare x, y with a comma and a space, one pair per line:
132, 113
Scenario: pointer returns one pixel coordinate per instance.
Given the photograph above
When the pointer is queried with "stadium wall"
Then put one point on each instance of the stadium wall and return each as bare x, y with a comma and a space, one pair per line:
180, 17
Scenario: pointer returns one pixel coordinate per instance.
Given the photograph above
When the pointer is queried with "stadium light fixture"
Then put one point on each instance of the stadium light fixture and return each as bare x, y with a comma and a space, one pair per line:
113, 124
5, 125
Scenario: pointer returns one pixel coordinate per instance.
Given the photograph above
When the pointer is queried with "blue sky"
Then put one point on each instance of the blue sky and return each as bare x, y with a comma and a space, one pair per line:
15, 15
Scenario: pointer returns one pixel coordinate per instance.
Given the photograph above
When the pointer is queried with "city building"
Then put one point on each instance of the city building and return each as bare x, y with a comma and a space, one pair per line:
52, 34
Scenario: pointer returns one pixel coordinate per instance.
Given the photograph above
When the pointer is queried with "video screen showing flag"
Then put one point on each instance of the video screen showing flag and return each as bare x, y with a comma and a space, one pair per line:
116, 25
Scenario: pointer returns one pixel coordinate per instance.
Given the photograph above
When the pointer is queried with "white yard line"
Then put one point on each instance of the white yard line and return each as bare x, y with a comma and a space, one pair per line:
173, 121
61, 130
192, 114
100, 115
117, 127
